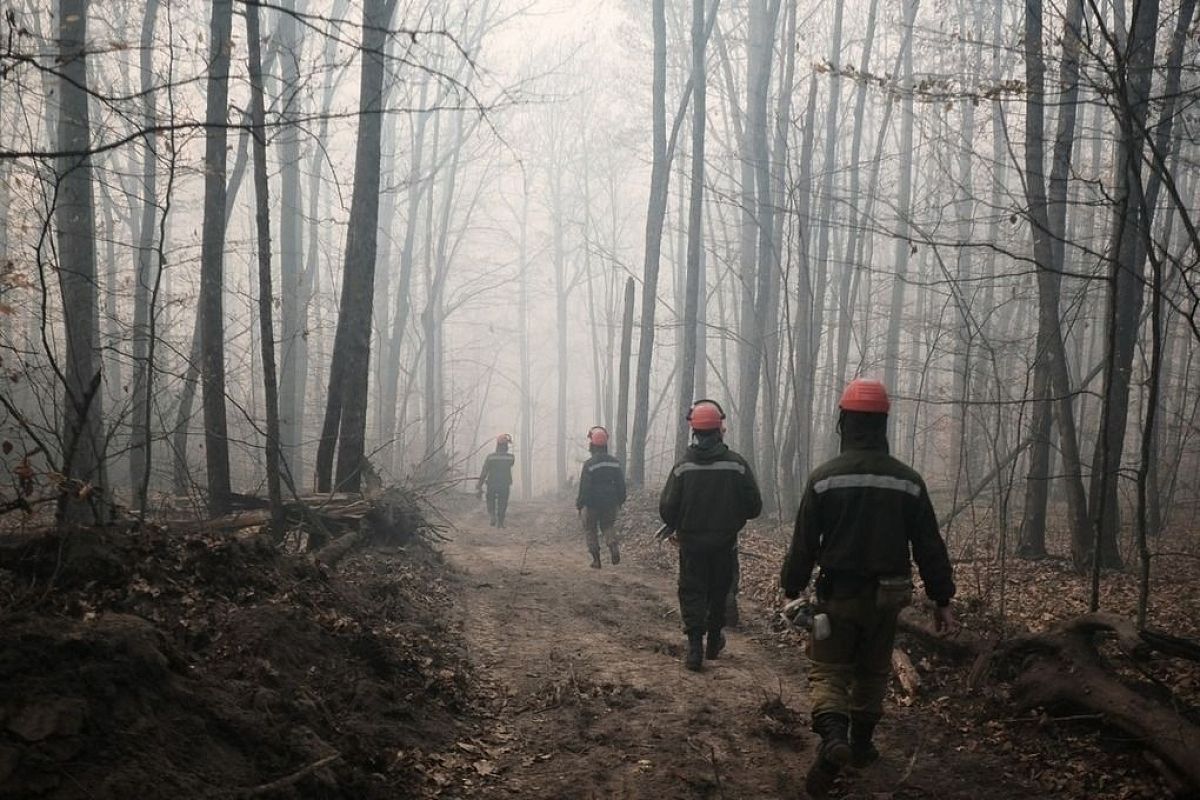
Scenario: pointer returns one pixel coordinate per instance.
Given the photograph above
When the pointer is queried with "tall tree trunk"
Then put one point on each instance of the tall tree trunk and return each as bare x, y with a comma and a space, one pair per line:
1048, 220
761, 53
656, 211
346, 405
687, 379
850, 265
417, 185
293, 307
212, 277
265, 298
526, 459
83, 418
891, 364
1125, 282
140, 455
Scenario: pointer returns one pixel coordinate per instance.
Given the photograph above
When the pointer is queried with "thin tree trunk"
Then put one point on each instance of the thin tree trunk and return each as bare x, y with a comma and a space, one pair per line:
212, 279
622, 427
293, 307
1125, 292
655, 214
263, 224
140, 455
902, 252
687, 379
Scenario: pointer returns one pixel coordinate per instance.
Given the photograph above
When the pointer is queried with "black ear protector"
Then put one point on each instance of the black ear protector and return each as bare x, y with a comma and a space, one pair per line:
720, 410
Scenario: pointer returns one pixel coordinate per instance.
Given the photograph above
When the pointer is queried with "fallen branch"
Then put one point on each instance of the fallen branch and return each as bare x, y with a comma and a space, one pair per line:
906, 673
288, 780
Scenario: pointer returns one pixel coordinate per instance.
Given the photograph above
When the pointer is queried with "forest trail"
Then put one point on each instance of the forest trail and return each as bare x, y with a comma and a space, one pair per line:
592, 700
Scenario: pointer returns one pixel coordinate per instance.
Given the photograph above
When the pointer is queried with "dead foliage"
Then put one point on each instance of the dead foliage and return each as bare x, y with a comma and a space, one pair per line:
201, 660
1076, 707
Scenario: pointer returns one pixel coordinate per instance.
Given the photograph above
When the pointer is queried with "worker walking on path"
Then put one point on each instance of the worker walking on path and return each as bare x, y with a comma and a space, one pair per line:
860, 515
497, 474
708, 497
601, 493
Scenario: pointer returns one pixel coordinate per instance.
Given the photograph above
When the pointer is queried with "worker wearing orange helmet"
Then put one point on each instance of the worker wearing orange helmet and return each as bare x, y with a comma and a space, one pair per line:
860, 515
601, 493
497, 474
708, 497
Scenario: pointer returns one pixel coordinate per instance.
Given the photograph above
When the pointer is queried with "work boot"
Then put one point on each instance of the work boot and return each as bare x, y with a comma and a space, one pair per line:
833, 754
695, 653
595, 559
862, 751
615, 552
492, 520
714, 645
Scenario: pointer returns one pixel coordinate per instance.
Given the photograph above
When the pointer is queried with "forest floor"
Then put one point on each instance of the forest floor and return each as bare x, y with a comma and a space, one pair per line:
188, 661
589, 698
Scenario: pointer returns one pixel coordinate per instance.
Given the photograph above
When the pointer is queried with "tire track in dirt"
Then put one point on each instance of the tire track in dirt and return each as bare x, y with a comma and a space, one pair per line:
592, 700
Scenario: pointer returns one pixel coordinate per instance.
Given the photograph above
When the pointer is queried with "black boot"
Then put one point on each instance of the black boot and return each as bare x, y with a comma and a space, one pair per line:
615, 552
833, 754
595, 559
714, 645
862, 751
695, 653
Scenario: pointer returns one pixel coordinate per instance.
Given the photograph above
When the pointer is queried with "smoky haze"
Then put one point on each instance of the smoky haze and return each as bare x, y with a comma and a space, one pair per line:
991, 212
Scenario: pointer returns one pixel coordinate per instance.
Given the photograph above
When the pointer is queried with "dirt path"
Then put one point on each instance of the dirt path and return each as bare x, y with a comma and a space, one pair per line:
593, 702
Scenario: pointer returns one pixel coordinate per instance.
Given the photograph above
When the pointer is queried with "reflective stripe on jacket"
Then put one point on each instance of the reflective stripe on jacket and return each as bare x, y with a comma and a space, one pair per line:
709, 495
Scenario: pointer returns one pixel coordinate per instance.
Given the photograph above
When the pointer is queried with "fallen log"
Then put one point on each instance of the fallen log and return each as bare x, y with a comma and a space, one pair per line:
1064, 669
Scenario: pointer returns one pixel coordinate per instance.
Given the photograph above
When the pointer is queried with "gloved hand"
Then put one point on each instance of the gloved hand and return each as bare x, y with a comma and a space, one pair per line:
943, 620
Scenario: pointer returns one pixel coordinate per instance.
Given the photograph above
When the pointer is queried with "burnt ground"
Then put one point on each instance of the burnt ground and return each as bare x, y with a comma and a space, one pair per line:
589, 699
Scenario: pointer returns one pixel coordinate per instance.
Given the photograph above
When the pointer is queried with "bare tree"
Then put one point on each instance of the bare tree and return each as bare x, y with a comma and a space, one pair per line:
346, 405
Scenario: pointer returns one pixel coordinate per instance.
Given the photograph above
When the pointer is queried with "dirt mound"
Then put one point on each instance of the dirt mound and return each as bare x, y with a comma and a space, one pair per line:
210, 664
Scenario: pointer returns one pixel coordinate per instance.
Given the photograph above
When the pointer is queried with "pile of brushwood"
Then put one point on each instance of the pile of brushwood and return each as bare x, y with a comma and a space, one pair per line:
212, 659
1086, 705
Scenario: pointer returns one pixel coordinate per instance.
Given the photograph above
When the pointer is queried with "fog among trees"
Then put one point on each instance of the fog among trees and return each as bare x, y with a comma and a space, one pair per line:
271, 248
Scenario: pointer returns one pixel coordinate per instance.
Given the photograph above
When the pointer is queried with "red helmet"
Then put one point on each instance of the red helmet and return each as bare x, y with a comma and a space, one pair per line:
866, 396
598, 436
504, 438
706, 415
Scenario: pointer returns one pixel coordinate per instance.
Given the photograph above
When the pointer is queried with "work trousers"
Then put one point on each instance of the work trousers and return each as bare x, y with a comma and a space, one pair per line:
705, 576
497, 502
850, 668
598, 521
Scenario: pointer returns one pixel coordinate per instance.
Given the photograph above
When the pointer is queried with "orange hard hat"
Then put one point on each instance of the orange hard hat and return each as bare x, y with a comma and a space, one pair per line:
598, 436
865, 396
706, 415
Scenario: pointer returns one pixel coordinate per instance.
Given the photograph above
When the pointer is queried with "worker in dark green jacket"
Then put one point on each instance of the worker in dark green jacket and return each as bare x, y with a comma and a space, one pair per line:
601, 493
861, 515
497, 475
708, 498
